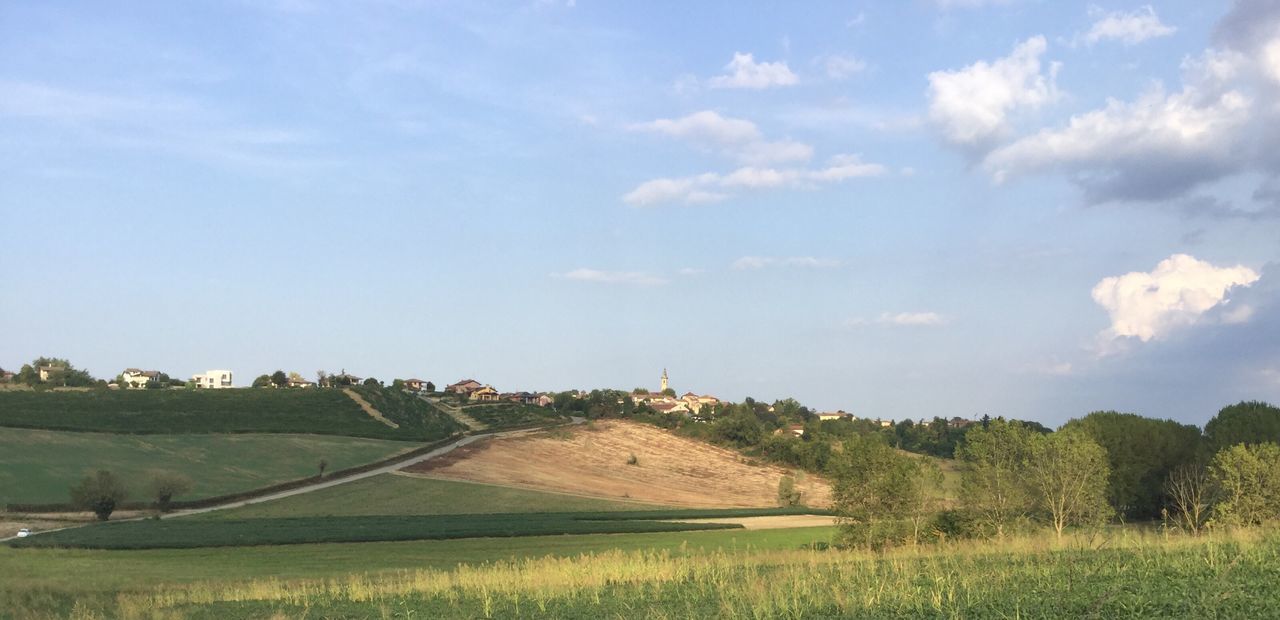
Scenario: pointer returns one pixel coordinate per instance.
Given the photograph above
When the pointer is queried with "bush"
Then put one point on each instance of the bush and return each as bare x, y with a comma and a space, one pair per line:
99, 493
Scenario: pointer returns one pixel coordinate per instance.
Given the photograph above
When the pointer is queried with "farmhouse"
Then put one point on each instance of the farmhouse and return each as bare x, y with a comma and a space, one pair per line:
299, 382
213, 379
343, 378
466, 386
484, 393
48, 371
134, 378
836, 415
524, 398
416, 385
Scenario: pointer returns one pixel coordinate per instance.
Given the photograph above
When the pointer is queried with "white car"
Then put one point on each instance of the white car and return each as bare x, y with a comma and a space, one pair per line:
24, 532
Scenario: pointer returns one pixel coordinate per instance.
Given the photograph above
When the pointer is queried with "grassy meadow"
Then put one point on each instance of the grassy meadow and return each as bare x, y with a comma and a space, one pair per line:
511, 415
38, 466
391, 494
1117, 573
183, 411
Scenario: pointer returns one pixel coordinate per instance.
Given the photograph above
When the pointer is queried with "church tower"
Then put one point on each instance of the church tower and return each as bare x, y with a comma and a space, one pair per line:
664, 380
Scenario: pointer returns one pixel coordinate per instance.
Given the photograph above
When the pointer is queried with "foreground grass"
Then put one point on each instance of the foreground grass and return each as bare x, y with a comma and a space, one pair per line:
312, 411
39, 466
37, 583
1129, 575
391, 494
190, 533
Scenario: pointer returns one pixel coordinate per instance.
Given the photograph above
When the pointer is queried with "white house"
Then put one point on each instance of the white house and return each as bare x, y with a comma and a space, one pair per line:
133, 377
213, 379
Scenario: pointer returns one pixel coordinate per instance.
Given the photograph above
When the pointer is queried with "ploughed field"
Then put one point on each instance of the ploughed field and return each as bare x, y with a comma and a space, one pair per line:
594, 461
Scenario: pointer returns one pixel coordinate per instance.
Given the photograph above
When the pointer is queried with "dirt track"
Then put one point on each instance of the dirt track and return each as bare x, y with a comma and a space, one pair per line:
669, 470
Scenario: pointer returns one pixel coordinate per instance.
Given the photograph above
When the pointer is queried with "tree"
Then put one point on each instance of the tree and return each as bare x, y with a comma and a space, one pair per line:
99, 493
397, 384
1248, 482
926, 498
873, 490
1141, 453
279, 379
262, 381
788, 495
741, 429
991, 479
1250, 422
371, 382
295, 377
1190, 493
431, 387
1067, 472
322, 378
323, 464
164, 486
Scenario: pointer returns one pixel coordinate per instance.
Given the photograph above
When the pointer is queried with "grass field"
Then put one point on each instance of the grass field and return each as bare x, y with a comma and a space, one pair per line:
737, 574
40, 466
47, 583
313, 411
390, 494
189, 533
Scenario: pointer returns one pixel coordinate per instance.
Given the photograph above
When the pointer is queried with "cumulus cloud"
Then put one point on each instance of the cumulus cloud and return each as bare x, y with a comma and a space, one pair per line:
735, 137
1130, 28
971, 106
760, 262
711, 186
1177, 293
744, 72
1156, 147
901, 319
611, 277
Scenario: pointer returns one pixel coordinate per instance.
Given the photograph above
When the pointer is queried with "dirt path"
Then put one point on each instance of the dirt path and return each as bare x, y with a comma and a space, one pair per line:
364, 404
457, 413
668, 470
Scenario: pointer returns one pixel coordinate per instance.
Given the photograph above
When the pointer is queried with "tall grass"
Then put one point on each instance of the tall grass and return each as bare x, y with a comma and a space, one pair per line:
1130, 574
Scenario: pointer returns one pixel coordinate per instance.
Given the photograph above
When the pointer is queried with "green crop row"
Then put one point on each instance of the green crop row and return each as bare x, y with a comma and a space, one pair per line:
313, 411
186, 533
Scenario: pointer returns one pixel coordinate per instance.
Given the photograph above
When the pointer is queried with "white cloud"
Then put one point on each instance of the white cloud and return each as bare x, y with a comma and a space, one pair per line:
970, 106
611, 277
745, 72
1155, 147
760, 262
735, 137
839, 67
711, 186
1177, 293
1128, 28
901, 319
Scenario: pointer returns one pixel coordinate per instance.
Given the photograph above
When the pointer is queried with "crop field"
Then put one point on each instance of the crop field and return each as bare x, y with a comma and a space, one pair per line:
312, 411
187, 533
511, 415
38, 466
397, 494
1119, 575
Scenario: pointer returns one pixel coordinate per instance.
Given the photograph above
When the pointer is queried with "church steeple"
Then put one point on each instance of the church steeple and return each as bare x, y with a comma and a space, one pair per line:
664, 380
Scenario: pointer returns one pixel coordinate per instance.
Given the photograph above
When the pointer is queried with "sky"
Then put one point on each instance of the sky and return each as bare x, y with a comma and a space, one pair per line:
1023, 208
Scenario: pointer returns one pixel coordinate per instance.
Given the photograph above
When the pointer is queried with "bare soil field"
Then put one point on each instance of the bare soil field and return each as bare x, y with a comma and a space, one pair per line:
593, 461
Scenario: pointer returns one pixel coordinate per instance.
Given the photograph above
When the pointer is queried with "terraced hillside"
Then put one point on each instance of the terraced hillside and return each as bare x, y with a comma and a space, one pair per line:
310, 411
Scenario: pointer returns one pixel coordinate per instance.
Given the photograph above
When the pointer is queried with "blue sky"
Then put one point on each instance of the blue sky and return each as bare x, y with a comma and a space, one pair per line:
957, 207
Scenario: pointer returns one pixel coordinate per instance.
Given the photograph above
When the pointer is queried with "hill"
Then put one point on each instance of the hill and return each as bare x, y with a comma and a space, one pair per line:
593, 461
312, 411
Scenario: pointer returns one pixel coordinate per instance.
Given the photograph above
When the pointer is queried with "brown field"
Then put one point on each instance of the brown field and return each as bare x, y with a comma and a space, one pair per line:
592, 461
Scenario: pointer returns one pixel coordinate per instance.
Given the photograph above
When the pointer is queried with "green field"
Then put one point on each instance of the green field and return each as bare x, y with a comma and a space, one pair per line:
740, 574
191, 533
390, 494
312, 411
40, 466
511, 415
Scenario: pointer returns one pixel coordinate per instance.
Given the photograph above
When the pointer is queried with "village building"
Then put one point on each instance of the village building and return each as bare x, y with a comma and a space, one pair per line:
416, 385
466, 386
213, 379
50, 371
836, 415
135, 378
484, 393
